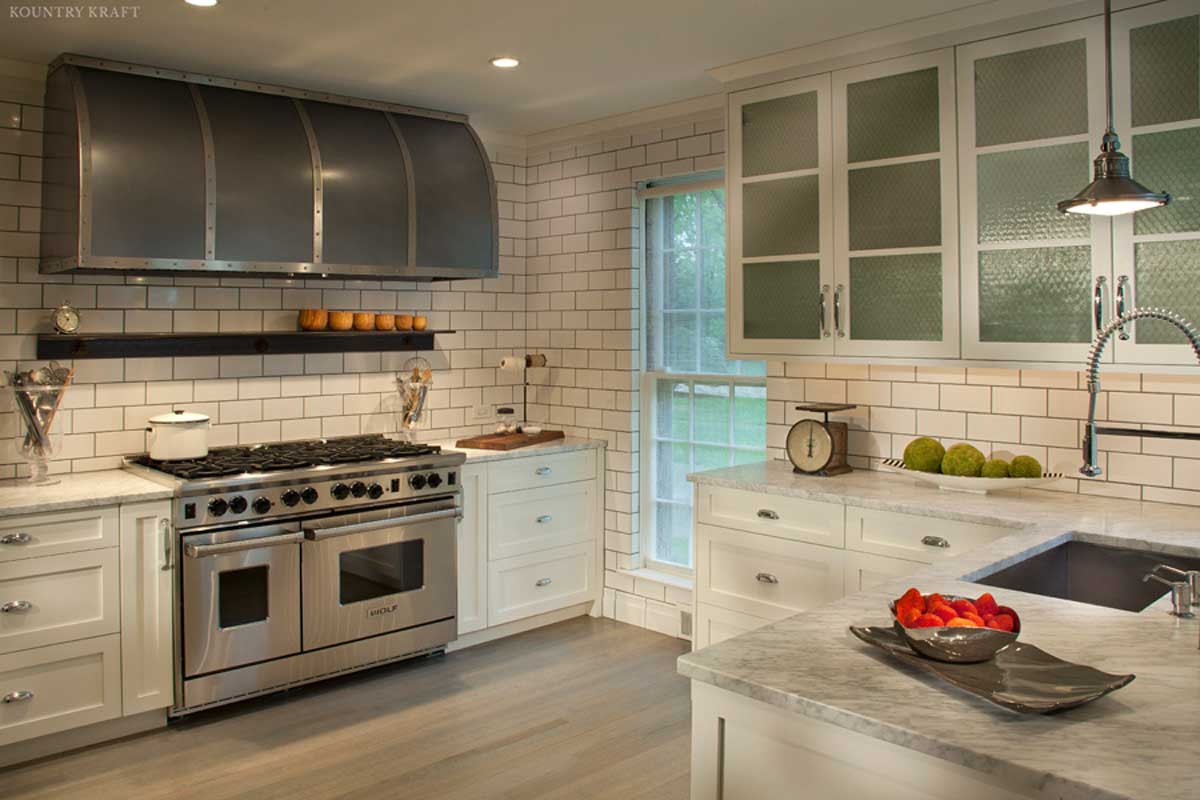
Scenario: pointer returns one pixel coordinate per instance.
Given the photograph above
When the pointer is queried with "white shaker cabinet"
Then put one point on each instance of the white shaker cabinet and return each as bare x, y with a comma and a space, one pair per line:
472, 550
147, 606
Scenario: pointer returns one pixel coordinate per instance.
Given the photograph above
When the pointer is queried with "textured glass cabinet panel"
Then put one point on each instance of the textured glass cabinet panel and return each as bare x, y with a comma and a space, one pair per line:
1167, 277
892, 116
1169, 162
780, 300
1164, 63
1018, 189
896, 298
896, 206
780, 135
781, 217
1031, 94
1035, 295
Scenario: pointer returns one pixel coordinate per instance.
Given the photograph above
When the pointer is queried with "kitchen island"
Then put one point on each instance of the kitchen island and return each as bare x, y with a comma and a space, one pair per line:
800, 702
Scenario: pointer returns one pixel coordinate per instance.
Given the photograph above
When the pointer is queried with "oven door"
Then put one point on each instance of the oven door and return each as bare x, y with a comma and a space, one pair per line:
379, 571
241, 597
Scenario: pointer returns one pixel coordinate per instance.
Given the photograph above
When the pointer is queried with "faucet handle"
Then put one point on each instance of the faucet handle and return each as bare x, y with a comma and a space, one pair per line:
1192, 576
1181, 594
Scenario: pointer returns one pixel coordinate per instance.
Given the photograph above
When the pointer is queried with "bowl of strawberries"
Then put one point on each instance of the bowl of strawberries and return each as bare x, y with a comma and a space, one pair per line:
952, 628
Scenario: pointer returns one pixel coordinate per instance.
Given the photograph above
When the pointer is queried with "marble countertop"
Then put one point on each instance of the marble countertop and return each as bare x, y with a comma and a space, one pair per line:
78, 490
1139, 742
559, 446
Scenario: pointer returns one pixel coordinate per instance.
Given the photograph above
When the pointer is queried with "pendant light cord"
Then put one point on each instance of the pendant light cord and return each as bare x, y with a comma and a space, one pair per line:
1108, 81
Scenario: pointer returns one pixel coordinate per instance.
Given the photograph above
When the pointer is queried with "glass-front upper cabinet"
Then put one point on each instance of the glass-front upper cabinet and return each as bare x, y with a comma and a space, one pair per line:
780, 226
1031, 117
1156, 72
896, 209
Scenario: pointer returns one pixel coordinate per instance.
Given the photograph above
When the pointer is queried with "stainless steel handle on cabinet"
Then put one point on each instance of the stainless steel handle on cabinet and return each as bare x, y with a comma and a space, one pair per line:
544, 518
837, 310
19, 696
543, 582
221, 548
934, 541
766, 577
543, 471
1124, 288
164, 530
822, 313
766, 513
16, 538
16, 605
318, 534
1098, 302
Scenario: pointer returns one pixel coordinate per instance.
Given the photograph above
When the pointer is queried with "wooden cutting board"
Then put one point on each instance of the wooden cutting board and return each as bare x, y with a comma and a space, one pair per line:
508, 441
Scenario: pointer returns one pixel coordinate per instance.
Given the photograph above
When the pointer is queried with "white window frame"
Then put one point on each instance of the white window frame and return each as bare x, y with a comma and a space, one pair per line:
650, 377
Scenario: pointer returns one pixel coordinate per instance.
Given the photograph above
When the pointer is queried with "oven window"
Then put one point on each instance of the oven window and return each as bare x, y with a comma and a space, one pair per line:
242, 596
379, 571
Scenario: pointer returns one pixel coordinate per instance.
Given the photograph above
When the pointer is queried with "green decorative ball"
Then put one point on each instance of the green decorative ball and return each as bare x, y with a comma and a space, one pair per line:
924, 455
963, 460
1025, 467
995, 468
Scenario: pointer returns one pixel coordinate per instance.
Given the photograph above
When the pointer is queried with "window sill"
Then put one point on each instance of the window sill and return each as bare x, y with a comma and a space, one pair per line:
684, 582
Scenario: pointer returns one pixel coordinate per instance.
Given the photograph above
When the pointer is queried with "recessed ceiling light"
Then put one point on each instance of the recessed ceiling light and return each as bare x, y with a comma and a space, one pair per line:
505, 62
202, 3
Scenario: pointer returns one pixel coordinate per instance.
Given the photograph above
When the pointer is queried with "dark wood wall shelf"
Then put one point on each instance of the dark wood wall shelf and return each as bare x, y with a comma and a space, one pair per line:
150, 345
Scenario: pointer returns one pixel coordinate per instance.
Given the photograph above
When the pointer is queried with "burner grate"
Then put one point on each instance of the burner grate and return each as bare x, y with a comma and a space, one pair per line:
226, 461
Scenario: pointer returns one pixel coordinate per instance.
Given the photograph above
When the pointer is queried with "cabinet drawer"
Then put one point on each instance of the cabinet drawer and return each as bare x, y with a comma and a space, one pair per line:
764, 576
924, 539
715, 624
59, 599
866, 571
774, 515
538, 519
51, 534
539, 582
64, 686
530, 471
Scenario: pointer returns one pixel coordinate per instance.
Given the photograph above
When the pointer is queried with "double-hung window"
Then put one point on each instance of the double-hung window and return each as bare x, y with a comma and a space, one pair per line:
699, 410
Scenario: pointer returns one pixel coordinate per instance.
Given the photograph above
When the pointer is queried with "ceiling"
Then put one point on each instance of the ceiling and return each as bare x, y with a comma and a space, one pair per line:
580, 60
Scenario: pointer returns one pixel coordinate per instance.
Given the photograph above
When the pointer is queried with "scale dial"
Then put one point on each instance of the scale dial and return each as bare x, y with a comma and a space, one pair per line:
809, 446
65, 319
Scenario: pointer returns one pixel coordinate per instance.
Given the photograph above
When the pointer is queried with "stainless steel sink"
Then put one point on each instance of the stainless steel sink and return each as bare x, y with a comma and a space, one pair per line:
1090, 573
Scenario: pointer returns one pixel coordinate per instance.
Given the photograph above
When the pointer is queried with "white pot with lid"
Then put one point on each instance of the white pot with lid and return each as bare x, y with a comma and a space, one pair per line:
178, 435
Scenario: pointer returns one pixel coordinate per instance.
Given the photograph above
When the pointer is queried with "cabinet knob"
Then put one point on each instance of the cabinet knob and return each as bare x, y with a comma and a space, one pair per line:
934, 541
19, 696
766, 577
543, 582
16, 538
16, 605
544, 518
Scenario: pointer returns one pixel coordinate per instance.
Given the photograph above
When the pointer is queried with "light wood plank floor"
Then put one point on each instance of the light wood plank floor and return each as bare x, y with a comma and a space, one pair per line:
587, 708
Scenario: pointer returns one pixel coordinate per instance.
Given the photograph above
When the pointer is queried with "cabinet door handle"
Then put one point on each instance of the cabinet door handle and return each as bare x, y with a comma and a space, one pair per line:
19, 696
766, 577
822, 313
766, 513
1124, 288
543, 582
837, 311
1098, 302
164, 529
934, 541
16, 605
16, 538
544, 518
542, 471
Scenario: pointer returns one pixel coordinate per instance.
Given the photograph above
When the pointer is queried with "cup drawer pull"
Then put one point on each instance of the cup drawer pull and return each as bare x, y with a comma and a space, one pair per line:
934, 541
543, 582
16, 538
766, 513
766, 577
542, 471
19, 696
16, 605
544, 518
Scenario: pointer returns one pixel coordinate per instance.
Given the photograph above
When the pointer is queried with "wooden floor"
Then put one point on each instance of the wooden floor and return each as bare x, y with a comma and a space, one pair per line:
588, 708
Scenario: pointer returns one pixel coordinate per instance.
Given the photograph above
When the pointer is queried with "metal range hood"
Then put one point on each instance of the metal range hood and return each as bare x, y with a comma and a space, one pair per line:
155, 171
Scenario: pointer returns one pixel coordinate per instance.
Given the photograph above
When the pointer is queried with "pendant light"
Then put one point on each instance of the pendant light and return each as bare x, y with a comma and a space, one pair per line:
1112, 191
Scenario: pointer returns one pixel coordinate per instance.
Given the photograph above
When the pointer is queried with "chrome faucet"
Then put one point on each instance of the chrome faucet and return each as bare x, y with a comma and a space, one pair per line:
1091, 454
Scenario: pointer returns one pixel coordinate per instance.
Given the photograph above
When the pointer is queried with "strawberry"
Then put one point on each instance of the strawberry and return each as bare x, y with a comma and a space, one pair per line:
1016, 619
964, 606
912, 597
909, 617
963, 622
978, 620
986, 604
1003, 622
932, 601
945, 612
928, 621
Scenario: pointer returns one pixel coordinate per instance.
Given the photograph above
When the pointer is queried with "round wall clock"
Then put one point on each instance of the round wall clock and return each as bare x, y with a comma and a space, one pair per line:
65, 319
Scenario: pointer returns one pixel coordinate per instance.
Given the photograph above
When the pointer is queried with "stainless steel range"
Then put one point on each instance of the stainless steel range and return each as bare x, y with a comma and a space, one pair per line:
306, 559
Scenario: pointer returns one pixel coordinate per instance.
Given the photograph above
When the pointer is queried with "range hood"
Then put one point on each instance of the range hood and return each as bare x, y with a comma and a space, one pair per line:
155, 171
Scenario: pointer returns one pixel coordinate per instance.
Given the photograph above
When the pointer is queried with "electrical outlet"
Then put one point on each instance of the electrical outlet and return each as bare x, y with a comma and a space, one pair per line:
483, 413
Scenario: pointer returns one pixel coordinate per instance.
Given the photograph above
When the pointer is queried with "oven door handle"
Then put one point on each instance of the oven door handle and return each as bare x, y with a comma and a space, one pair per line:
319, 534
221, 548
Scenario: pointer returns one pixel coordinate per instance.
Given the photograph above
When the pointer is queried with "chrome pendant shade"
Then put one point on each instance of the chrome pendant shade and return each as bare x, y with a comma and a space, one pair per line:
1113, 191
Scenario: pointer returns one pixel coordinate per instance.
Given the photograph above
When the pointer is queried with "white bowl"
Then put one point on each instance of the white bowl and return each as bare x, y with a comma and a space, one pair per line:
961, 483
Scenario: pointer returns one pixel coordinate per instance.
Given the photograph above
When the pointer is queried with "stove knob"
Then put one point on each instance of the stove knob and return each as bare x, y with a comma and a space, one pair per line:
261, 505
417, 481
309, 495
375, 491
340, 491
434, 480
358, 489
237, 505
217, 506
290, 498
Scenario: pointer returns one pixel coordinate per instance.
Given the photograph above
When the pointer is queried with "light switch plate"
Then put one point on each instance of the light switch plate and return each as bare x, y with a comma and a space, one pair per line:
483, 413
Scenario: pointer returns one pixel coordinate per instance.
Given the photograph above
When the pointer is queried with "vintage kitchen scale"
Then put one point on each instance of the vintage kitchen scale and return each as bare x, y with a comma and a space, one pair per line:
819, 448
